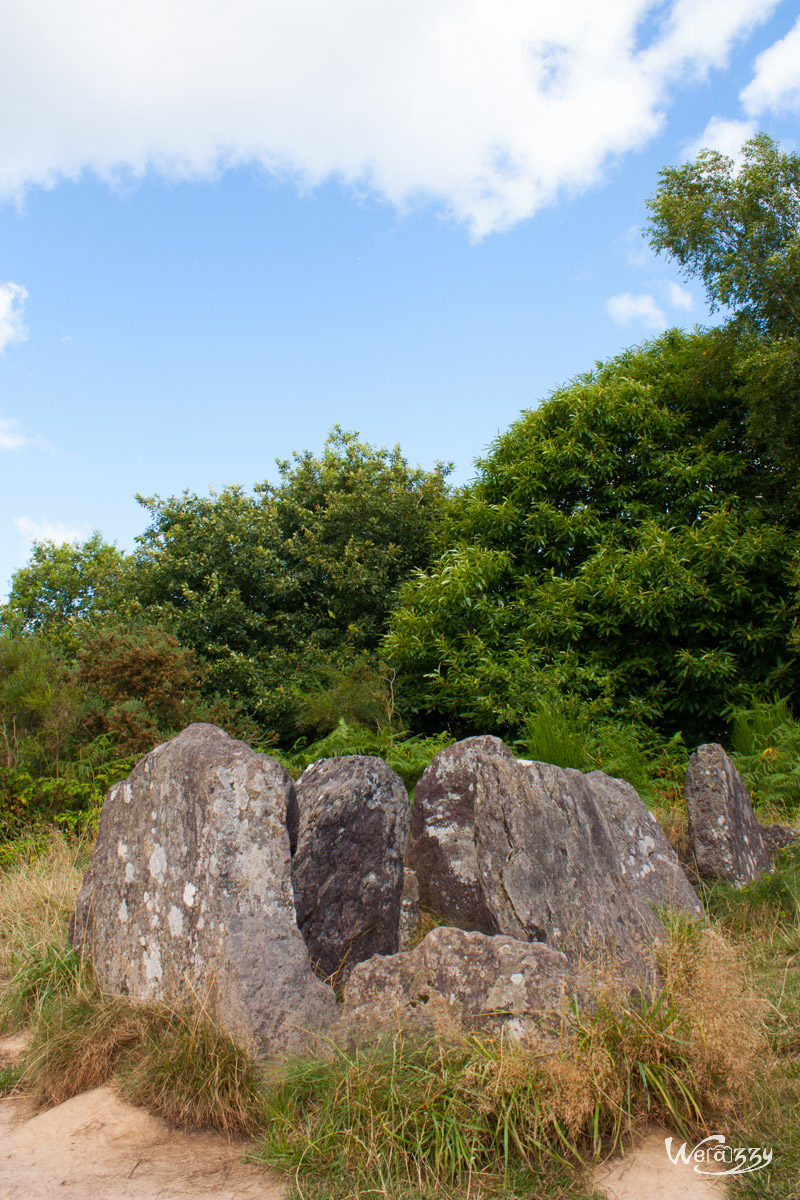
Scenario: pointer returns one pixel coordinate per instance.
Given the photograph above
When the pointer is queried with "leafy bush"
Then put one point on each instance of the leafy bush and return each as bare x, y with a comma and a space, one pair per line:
406, 754
765, 747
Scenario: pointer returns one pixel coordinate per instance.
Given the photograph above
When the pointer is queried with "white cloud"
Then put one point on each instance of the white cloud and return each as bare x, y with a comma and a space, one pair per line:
679, 297
12, 326
48, 531
776, 82
627, 309
12, 434
491, 110
726, 136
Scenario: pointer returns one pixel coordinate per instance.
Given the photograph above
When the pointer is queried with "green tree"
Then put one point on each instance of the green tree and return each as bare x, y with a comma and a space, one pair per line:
624, 544
65, 590
279, 590
738, 230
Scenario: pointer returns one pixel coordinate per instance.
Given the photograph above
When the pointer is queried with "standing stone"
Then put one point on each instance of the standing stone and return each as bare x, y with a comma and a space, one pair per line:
649, 864
723, 828
188, 897
458, 980
409, 908
348, 867
442, 846
549, 868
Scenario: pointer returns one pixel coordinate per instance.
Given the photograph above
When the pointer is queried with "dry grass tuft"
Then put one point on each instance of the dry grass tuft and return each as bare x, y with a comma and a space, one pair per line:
37, 895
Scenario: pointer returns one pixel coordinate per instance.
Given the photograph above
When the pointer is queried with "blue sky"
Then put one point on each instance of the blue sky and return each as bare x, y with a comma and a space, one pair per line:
225, 228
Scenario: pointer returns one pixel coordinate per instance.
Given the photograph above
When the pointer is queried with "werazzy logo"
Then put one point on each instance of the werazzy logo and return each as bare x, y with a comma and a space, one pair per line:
713, 1156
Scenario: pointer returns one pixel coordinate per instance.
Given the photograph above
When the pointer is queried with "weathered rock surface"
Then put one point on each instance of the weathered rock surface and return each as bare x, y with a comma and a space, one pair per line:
778, 837
409, 908
442, 846
189, 891
726, 837
456, 979
348, 867
649, 864
549, 868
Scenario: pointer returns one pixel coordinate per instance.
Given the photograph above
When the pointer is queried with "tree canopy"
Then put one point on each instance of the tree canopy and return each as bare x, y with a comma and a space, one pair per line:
624, 543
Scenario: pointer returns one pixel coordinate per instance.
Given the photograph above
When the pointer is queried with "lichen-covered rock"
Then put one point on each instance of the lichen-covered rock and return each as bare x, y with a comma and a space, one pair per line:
778, 837
726, 837
549, 867
409, 908
648, 862
189, 895
442, 846
348, 867
456, 979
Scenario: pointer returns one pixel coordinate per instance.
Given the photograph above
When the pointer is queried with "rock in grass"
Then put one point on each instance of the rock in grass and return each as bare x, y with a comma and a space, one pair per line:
442, 846
550, 868
456, 980
725, 835
649, 864
188, 898
348, 867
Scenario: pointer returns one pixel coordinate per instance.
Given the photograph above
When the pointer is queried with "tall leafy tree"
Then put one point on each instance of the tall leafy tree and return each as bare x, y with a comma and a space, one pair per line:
275, 588
737, 228
66, 590
623, 542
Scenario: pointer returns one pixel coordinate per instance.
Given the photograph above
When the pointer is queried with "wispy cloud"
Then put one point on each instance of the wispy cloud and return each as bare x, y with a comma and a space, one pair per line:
679, 297
776, 80
726, 136
12, 325
48, 531
492, 111
14, 435
643, 309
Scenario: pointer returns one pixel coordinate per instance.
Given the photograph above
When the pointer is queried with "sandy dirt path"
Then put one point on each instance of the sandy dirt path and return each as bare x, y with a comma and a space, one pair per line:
646, 1173
97, 1147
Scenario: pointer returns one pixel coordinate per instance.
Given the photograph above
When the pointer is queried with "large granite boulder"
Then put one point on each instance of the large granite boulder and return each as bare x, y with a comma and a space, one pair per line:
409, 909
648, 862
725, 834
348, 867
442, 846
189, 896
462, 980
550, 870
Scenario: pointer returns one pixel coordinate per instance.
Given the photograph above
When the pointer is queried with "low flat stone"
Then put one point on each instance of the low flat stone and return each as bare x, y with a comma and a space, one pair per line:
348, 867
456, 979
189, 898
725, 834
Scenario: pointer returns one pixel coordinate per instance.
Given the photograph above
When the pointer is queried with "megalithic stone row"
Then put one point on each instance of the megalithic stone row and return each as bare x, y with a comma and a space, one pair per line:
188, 898
347, 869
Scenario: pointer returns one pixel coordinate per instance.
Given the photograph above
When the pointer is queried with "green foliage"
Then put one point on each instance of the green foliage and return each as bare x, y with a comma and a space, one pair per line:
406, 754
66, 589
45, 971
765, 745
623, 544
772, 900
738, 229
277, 591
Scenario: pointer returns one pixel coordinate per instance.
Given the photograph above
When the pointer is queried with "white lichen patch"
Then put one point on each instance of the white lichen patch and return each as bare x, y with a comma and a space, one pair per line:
130, 872
122, 849
175, 921
122, 913
152, 964
158, 862
189, 893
